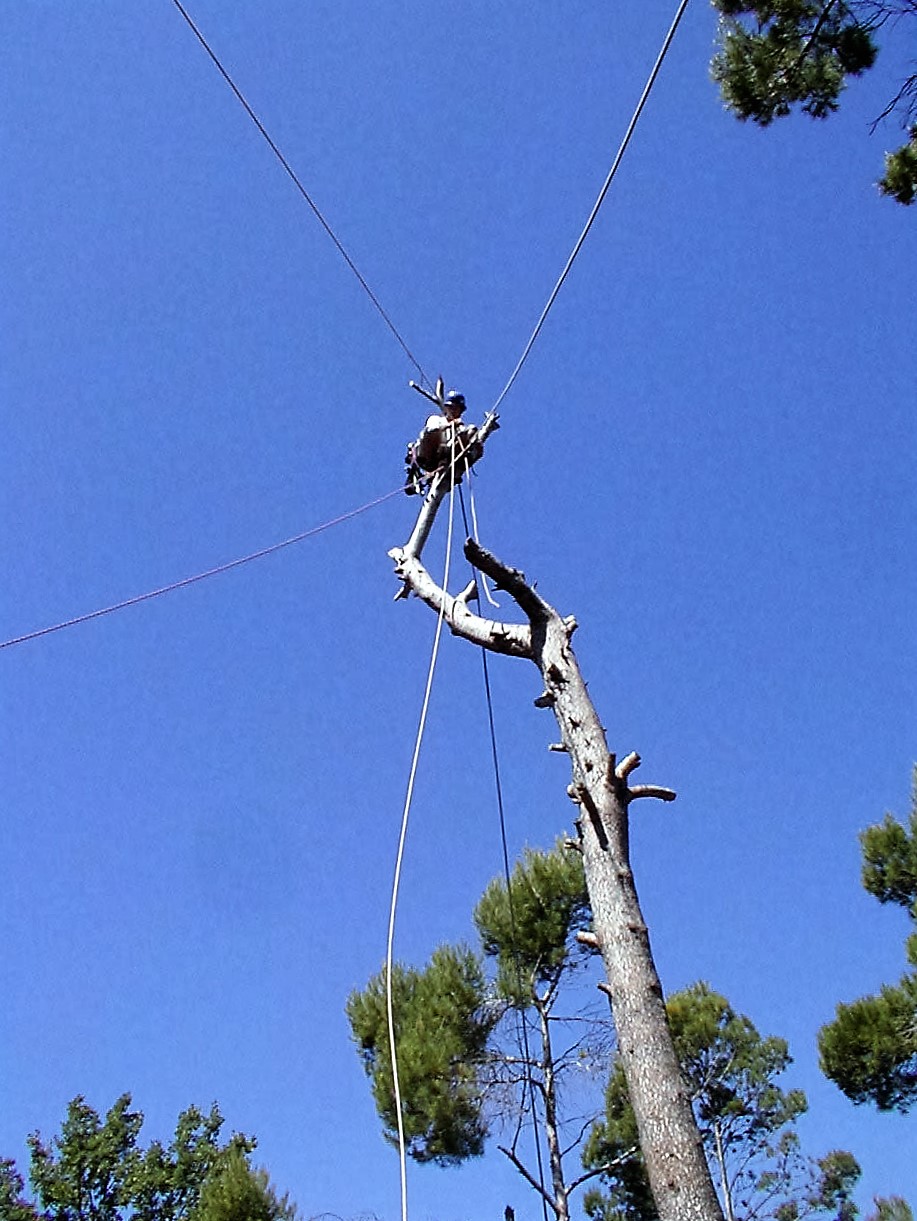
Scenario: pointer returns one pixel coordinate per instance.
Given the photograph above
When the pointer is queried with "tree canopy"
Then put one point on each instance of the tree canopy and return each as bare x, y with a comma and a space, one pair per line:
442, 1027
478, 1032
95, 1170
775, 55
746, 1120
870, 1049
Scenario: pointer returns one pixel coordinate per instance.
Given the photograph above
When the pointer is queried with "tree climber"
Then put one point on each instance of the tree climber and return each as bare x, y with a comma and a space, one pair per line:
433, 448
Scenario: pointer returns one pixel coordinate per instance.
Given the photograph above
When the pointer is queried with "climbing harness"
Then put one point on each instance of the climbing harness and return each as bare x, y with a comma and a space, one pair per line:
443, 440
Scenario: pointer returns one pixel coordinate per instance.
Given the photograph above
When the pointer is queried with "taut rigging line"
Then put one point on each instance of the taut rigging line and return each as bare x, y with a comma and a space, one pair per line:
302, 190
202, 576
598, 203
349, 261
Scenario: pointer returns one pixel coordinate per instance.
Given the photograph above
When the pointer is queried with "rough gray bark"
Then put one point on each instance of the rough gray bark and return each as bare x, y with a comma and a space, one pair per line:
675, 1163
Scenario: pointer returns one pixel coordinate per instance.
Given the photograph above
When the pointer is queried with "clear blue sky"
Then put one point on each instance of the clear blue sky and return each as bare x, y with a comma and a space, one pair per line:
709, 459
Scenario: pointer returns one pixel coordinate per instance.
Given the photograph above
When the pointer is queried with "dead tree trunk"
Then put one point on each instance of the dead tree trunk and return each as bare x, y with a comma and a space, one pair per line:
552, 1134
676, 1167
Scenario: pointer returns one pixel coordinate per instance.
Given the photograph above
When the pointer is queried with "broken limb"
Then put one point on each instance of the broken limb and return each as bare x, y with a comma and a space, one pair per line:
669, 1139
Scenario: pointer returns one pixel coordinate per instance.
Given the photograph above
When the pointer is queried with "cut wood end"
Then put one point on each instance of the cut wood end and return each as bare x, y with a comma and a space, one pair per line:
627, 765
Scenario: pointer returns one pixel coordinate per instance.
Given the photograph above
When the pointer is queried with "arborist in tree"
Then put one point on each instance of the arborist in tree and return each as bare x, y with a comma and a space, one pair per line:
442, 435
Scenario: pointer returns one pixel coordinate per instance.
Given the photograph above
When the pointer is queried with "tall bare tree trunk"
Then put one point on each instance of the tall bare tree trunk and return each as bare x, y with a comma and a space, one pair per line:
724, 1174
670, 1142
552, 1135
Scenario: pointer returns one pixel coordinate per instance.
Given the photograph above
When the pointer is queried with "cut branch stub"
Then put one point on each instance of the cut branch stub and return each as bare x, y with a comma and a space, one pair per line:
618, 777
628, 764
651, 790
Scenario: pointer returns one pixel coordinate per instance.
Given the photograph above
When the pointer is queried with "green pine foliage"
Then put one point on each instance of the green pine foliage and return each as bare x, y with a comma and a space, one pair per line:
85, 1172
238, 1192
442, 1024
890, 859
900, 178
168, 1179
530, 931
96, 1170
448, 1015
870, 1049
775, 56
13, 1204
893, 1208
746, 1120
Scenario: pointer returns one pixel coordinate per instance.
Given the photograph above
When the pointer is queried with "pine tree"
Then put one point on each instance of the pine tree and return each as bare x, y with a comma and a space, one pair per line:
237, 1192
464, 1066
745, 1117
775, 55
870, 1049
601, 789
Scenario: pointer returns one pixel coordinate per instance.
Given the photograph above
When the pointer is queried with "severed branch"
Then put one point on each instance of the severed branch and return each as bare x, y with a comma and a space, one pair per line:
628, 764
514, 639
510, 579
651, 790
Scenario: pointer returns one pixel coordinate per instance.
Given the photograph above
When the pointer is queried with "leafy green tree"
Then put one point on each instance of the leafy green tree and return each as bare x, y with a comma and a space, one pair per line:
167, 1180
84, 1173
745, 1118
870, 1049
238, 1192
464, 1064
775, 55
95, 1170
13, 1204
